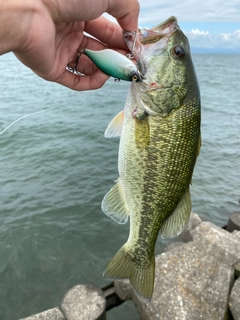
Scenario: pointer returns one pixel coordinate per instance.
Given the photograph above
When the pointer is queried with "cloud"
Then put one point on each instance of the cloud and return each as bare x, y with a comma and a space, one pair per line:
197, 32
221, 19
221, 41
232, 39
207, 24
154, 11
226, 37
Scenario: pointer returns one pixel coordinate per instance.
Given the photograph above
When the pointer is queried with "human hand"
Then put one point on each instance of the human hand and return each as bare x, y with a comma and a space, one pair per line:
56, 30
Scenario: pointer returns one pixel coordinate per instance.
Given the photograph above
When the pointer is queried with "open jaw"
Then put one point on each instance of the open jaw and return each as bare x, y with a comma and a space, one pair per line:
155, 38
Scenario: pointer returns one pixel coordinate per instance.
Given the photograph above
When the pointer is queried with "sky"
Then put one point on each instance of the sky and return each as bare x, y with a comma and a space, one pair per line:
210, 24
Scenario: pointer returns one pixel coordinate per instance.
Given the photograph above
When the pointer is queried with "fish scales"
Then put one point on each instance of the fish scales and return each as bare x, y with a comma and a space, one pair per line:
159, 144
164, 164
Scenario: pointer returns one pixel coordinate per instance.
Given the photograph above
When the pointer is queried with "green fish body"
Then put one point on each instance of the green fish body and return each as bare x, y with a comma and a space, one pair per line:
159, 144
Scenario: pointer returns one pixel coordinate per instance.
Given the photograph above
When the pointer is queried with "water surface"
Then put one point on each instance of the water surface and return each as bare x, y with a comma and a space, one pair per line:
56, 166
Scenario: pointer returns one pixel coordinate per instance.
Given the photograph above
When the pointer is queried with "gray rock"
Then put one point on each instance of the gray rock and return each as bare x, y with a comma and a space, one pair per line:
189, 285
52, 314
171, 246
193, 222
236, 234
234, 222
123, 289
193, 281
218, 243
234, 300
84, 302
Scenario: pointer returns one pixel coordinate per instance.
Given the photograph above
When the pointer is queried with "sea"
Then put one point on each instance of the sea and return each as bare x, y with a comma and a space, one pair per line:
56, 166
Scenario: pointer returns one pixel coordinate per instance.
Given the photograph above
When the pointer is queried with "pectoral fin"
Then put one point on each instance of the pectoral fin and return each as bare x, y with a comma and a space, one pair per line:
174, 225
114, 204
114, 128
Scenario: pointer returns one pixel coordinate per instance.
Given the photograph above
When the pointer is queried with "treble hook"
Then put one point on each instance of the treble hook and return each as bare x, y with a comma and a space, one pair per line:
74, 68
130, 55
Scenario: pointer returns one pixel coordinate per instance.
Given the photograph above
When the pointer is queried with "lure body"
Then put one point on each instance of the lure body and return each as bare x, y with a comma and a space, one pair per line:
114, 64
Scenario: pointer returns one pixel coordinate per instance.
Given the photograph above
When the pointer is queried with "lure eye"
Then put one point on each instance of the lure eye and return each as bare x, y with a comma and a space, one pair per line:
135, 75
178, 51
135, 78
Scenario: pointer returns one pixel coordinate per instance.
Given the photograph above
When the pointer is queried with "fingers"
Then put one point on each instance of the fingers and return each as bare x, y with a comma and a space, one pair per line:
93, 78
106, 31
79, 83
126, 12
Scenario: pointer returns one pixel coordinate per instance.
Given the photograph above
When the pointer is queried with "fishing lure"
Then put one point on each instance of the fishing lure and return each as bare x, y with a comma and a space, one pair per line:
111, 63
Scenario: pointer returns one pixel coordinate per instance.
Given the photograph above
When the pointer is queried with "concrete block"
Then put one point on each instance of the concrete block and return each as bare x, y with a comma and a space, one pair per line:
84, 302
190, 284
193, 222
123, 289
236, 234
171, 246
52, 314
218, 243
234, 300
234, 222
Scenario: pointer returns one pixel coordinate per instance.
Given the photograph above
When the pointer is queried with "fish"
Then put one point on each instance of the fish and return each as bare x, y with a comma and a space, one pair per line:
114, 64
160, 140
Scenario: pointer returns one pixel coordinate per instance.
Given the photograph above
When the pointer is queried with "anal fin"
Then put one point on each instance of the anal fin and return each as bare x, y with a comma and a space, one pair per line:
174, 224
114, 204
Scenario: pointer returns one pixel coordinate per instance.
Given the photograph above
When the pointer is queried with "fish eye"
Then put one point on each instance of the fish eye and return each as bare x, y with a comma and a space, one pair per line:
178, 51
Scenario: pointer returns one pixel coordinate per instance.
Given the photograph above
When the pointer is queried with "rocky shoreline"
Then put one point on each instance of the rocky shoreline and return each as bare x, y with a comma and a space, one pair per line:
196, 278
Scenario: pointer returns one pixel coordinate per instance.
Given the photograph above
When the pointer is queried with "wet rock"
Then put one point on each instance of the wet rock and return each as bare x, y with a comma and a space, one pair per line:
84, 302
234, 300
52, 314
193, 281
171, 245
236, 234
218, 243
189, 285
234, 222
193, 222
123, 289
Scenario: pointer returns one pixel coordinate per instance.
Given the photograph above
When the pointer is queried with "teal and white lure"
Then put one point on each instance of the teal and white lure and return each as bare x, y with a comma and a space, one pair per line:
115, 64
111, 63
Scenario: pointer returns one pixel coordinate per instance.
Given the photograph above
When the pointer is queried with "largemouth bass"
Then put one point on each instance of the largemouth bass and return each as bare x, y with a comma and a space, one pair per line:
159, 144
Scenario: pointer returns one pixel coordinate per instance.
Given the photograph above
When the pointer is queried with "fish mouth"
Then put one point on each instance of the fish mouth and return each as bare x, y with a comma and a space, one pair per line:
147, 41
136, 40
165, 29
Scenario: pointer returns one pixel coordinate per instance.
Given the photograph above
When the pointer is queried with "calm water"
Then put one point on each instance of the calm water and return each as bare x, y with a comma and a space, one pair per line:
56, 166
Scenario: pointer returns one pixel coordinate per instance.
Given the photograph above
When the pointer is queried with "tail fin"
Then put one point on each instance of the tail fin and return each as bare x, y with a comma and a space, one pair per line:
140, 273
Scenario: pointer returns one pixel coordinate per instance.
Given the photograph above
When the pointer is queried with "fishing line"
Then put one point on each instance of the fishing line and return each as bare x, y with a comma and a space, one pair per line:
37, 112
26, 115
